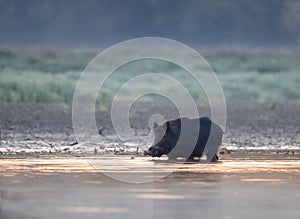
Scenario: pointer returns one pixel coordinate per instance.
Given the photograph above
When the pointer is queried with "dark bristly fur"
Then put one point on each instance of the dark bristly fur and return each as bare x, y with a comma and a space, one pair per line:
191, 143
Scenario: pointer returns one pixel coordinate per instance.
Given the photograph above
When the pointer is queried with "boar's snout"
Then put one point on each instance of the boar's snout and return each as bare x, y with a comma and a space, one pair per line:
155, 151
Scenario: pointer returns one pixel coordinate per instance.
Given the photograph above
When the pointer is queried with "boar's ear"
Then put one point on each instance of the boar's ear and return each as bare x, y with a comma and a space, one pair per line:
155, 125
168, 127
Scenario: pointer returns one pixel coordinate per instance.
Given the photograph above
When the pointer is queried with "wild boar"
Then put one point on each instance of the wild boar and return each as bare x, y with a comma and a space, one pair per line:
198, 137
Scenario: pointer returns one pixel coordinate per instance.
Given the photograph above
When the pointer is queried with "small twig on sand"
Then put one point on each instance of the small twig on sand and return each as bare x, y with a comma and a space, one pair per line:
74, 143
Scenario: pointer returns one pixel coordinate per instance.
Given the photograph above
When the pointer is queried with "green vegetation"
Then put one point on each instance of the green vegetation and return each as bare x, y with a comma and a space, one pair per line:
102, 108
43, 76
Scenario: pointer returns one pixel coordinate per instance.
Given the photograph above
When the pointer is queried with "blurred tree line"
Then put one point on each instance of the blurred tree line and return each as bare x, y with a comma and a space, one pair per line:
261, 23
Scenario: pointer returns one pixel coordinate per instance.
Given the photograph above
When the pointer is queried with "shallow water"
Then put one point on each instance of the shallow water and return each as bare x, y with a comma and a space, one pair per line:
69, 187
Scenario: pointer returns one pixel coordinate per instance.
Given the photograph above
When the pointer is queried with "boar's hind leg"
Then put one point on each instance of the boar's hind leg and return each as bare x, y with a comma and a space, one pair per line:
214, 159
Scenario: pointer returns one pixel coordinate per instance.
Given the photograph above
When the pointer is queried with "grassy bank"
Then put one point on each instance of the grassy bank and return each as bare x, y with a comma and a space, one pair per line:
47, 76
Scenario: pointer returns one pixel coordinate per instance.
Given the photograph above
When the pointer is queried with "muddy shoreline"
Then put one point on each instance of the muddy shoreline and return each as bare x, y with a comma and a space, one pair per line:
40, 127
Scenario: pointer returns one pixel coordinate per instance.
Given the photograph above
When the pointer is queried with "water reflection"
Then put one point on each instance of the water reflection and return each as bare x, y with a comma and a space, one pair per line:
9, 213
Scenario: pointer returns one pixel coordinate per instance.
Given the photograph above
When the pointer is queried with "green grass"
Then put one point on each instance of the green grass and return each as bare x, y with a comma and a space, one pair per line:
35, 87
261, 87
47, 76
102, 108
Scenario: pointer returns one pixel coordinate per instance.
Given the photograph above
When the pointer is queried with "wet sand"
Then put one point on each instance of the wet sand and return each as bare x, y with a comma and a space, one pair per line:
239, 186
